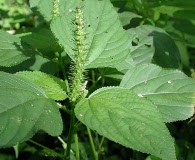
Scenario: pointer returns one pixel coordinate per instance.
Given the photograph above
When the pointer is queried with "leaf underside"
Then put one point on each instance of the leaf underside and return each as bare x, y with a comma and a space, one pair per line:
170, 90
123, 117
24, 110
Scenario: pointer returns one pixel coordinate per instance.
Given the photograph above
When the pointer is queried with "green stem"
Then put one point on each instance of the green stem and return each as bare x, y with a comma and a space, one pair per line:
62, 141
76, 146
100, 145
92, 144
65, 109
93, 76
71, 132
46, 148
94, 84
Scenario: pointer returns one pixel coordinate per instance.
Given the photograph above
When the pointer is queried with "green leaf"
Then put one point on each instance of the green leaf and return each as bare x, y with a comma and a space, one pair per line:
123, 117
12, 50
49, 83
152, 44
33, 64
42, 40
171, 90
180, 3
45, 7
185, 14
142, 49
106, 42
111, 73
152, 158
125, 65
126, 17
24, 110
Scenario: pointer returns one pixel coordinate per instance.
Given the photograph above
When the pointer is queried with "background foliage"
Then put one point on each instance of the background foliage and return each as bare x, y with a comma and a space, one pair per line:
158, 29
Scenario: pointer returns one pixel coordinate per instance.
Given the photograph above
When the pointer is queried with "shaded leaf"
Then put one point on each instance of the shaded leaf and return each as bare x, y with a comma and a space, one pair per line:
12, 50
42, 40
123, 117
152, 44
33, 64
171, 90
126, 17
111, 73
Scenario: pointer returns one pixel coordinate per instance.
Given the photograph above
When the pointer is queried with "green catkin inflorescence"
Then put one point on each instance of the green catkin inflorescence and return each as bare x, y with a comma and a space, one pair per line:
55, 8
78, 69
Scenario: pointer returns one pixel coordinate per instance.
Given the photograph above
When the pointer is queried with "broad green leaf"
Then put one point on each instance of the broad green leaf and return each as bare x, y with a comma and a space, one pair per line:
126, 17
111, 73
24, 110
128, 119
180, 3
177, 3
185, 14
33, 3
119, 4
168, 10
125, 65
49, 83
183, 49
42, 40
45, 7
142, 49
185, 27
12, 50
170, 90
106, 42
35, 63
152, 158
152, 44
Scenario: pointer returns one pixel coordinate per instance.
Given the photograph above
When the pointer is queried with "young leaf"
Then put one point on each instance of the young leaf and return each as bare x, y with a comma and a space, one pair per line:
126, 118
49, 83
171, 90
24, 110
12, 50
107, 43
